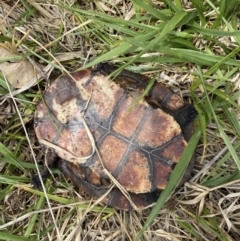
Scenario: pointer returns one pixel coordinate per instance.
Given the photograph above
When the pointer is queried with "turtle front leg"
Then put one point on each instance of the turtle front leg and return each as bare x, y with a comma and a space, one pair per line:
50, 159
166, 97
173, 104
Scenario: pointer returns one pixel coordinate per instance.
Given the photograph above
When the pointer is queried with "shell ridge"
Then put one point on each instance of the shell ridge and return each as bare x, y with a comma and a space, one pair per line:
123, 161
167, 143
115, 110
91, 75
151, 176
147, 110
131, 143
108, 130
92, 160
166, 99
55, 139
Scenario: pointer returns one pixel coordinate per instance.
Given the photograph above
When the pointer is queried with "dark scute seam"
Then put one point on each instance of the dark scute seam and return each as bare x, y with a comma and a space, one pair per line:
92, 74
151, 173
166, 99
132, 144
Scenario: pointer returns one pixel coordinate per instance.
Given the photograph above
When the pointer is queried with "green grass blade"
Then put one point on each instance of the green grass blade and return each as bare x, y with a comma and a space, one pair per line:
214, 182
231, 8
222, 133
174, 179
172, 5
150, 9
170, 25
222, 8
6, 236
109, 55
231, 115
213, 32
190, 229
9, 154
67, 200
198, 4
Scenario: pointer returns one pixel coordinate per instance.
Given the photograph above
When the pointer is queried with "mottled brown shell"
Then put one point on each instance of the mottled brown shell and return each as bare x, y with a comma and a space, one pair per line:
138, 143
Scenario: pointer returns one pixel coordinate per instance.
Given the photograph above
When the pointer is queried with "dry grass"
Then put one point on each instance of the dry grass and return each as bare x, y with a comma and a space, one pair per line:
58, 36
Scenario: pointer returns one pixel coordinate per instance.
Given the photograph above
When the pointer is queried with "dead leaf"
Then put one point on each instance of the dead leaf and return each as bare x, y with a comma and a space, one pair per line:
17, 72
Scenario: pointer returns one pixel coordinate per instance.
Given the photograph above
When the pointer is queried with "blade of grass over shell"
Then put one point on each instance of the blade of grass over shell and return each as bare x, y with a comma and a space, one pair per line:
150, 84
174, 179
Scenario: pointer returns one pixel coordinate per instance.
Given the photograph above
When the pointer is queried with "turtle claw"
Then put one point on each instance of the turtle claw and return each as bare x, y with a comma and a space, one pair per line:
35, 182
186, 115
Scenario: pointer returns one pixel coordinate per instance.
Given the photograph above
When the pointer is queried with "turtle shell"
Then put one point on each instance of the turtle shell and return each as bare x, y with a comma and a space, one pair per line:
101, 135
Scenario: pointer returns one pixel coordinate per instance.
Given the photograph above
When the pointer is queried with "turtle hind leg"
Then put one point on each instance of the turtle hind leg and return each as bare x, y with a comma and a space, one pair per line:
185, 115
77, 175
140, 201
114, 198
51, 159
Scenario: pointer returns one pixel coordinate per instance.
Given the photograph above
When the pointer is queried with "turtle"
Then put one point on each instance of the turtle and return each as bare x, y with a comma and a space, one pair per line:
111, 143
